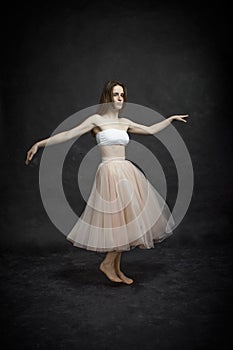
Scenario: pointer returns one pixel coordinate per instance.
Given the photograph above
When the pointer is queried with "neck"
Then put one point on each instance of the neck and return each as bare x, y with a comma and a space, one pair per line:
111, 114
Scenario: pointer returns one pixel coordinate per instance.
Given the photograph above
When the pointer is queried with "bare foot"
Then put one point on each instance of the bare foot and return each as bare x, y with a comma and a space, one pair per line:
110, 273
124, 278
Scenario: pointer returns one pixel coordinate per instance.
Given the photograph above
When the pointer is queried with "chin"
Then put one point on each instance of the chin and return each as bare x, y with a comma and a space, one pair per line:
117, 107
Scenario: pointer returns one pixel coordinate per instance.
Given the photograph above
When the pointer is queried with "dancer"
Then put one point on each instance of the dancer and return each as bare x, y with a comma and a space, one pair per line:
123, 210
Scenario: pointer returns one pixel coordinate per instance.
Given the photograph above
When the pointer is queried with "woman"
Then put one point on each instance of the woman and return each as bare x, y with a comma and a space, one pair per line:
123, 210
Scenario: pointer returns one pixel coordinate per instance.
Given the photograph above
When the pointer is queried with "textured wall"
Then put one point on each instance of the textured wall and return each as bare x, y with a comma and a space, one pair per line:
173, 59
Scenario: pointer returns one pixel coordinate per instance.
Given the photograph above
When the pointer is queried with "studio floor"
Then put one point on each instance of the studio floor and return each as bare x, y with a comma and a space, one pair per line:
181, 298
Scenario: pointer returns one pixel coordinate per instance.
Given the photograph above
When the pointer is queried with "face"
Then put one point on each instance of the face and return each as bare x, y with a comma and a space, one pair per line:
118, 96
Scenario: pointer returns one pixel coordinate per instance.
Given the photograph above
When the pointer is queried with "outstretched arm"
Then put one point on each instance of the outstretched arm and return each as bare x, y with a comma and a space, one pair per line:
79, 130
153, 129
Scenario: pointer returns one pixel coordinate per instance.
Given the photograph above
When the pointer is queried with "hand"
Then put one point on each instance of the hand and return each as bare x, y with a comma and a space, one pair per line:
31, 153
180, 117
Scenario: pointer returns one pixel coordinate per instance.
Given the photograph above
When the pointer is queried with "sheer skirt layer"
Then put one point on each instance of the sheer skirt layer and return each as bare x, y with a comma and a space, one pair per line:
123, 211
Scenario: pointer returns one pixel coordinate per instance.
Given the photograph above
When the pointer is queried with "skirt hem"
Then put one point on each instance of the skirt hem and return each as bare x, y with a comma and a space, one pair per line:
127, 247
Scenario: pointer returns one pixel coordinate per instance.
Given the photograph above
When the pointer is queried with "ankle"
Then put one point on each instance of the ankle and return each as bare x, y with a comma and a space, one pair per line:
108, 263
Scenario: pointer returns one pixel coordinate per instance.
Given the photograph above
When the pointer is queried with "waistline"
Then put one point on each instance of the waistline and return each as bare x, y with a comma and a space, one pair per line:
107, 159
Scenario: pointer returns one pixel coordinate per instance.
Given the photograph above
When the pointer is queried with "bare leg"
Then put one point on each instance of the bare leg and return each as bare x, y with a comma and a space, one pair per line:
124, 278
108, 267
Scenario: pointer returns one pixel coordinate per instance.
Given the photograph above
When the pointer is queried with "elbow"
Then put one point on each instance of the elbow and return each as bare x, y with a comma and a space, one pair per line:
150, 130
68, 135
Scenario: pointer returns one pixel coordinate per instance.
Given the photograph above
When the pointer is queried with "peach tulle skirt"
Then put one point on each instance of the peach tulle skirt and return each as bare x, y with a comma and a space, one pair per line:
123, 211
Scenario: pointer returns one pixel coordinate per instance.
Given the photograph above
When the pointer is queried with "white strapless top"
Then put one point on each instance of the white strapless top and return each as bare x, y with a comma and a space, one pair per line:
112, 137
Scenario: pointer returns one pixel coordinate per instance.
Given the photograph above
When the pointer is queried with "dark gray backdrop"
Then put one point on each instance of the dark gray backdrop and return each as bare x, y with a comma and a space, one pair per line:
173, 58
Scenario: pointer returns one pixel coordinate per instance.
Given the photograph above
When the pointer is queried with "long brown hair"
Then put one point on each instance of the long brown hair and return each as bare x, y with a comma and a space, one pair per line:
107, 97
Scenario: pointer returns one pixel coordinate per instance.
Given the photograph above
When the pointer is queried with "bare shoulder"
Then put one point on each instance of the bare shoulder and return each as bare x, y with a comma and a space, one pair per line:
125, 121
94, 118
136, 128
96, 122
